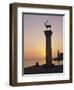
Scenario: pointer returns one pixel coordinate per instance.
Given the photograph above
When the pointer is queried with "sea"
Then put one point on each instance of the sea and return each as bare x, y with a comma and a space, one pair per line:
57, 62
32, 62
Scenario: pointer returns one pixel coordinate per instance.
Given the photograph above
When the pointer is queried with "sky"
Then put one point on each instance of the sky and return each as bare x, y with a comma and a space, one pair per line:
35, 40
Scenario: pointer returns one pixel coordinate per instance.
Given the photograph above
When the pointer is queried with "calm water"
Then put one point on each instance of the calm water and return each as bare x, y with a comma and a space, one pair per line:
30, 62
57, 62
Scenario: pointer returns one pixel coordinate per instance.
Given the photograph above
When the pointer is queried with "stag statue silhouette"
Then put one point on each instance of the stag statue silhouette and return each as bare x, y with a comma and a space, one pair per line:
46, 25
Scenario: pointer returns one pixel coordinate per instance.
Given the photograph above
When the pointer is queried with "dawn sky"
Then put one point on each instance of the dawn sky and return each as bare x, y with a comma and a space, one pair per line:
34, 37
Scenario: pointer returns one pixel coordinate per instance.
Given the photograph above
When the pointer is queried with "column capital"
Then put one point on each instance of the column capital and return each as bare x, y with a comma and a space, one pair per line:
48, 33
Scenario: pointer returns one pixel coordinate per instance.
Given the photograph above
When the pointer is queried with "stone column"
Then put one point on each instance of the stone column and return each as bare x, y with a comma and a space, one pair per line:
48, 34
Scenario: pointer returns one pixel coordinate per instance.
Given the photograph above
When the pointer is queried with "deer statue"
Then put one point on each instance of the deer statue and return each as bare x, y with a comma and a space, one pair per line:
47, 26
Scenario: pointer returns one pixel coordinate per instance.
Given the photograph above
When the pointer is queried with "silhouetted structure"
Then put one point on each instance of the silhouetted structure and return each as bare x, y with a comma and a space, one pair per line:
59, 56
37, 64
47, 25
48, 34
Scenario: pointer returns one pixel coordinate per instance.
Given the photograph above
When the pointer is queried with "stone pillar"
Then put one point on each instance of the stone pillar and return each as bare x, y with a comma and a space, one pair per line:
48, 34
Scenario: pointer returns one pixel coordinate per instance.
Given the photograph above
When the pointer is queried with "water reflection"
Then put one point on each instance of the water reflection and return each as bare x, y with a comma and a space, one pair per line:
57, 62
32, 62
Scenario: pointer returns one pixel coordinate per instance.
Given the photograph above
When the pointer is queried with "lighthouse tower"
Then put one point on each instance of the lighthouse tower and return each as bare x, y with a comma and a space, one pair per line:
48, 34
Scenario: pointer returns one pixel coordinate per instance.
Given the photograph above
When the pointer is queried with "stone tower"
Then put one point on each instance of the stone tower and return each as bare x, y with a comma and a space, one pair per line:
48, 34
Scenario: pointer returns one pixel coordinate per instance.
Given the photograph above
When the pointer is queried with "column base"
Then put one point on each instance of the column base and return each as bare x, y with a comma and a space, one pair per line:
50, 65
